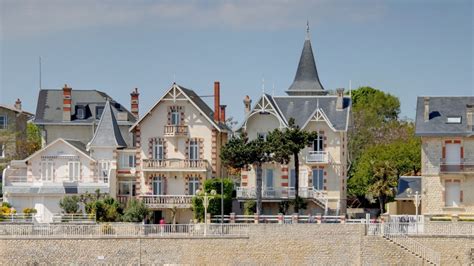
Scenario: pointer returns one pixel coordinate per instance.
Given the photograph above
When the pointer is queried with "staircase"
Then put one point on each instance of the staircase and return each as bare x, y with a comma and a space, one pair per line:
320, 198
412, 246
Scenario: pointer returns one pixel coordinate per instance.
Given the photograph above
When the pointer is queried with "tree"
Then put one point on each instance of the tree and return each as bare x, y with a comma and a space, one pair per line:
288, 143
105, 209
384, 182
239, 152
214, 207
136, 211
69, 204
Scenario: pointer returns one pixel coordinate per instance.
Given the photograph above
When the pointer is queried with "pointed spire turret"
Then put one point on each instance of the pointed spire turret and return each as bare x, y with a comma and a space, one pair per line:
107, 133
306, 80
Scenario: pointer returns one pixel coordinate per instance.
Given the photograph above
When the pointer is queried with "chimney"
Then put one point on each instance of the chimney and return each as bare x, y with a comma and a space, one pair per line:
134, 103
66, 103
247, 104
222, 111
217, 100
340, 99
470, 116
426, 115
18, 104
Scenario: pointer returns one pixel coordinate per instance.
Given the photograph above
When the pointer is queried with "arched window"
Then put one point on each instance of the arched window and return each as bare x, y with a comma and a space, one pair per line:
157, 184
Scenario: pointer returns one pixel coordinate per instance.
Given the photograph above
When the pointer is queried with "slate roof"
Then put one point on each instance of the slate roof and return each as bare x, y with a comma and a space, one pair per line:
107, 133
302, 108
405, 182
77, 144
14, 109
50, 102
306, 80
440, 108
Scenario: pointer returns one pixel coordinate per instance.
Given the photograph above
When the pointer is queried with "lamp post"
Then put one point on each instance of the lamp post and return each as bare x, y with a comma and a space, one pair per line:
205, 203
416, 201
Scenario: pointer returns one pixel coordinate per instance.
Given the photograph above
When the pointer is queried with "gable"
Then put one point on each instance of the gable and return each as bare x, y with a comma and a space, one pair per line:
61, 148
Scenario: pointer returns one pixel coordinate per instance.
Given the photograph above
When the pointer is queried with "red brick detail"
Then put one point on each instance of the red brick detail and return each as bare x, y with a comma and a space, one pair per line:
462, 152
325, 173
461, 196
325, 180
457, 141
67, 108
325, 188
285, 184
244, 177
244, 184
448, 141
284, 177
443, 152
67, 101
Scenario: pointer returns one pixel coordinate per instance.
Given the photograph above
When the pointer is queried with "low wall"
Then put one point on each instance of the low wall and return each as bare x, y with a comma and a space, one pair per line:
267, 244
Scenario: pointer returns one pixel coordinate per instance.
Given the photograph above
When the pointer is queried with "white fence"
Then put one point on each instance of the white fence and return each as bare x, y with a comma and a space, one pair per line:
284, 219
118, 230
427, 229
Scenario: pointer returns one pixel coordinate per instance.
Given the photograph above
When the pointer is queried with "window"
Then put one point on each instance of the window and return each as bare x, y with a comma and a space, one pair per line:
157, 184
175, 117
262, 135
318, 179
98, 111
158, 150
454, 120
193, 150
81, 112
104, 171
318, 143
3, 121
453, 193
74, 170
193, 185
292, 178
268, 178
2, 150
126, 188
47, 171
127, 160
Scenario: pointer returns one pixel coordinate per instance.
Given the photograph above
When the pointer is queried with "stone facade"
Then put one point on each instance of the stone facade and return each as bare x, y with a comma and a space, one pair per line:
269, 244
13, 133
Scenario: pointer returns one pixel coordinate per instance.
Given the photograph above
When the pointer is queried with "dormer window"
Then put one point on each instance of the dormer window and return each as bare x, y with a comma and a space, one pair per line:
81, 112
98, 112
454, 120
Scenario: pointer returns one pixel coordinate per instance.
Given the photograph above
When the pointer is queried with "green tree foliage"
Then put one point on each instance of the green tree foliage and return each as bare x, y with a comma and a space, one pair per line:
70, 204
239, 152
136, 211
214, 207
286, 144
250, 207
381, 146
105, 209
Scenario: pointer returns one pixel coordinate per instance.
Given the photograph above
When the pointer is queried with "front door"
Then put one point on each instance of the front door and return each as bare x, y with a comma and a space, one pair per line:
453, 193
157, 215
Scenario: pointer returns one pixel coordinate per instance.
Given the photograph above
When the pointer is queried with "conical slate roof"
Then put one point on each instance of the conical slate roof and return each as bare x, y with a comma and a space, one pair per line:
107, 133
306, 80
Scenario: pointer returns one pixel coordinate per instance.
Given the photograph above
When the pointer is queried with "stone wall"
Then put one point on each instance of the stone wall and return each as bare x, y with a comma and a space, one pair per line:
267, 244
454, 250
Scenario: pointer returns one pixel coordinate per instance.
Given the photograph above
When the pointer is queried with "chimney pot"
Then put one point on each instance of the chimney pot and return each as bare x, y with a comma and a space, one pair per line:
247, 104
18, 104
67, 100
222, 110
217, 100
470, 116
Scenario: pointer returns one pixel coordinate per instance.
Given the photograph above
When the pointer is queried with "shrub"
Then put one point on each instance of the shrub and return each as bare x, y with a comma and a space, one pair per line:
29, 211
105, 210
214, 207
250, 207
136, 211
6, 204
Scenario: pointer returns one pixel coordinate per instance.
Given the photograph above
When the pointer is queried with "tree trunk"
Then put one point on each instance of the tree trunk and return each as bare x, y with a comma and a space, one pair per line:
297, 182
258, 192
382, 204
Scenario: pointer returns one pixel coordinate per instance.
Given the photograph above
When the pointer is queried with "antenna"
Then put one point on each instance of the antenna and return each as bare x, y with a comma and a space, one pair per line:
263, 84
40, 73
307, 30
273, 89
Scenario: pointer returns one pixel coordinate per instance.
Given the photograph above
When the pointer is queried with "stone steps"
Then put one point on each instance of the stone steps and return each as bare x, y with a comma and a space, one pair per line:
410, 251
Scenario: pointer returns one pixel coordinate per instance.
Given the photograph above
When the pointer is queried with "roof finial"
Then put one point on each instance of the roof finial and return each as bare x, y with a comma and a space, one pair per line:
307, 30
263, 85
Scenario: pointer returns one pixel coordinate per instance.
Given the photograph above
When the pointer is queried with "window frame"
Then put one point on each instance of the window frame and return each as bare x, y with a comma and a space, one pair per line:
97, 108
2, 150
193, 150
127, 160
44, 171
82, 109
175, 117
267, 171
193, 185
158, 182
5, 121
158, 149
104, 176
131, 188
319, 178
318, 143
75, 166
454, 120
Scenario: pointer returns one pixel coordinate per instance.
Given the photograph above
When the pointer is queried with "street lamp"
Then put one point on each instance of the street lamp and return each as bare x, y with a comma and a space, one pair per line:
416, 200
206, 197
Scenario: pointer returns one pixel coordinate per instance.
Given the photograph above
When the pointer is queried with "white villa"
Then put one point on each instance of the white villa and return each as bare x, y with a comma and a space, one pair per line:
323, 164
178, 146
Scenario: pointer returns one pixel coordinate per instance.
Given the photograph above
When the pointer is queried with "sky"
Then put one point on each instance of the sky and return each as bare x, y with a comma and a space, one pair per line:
406, 48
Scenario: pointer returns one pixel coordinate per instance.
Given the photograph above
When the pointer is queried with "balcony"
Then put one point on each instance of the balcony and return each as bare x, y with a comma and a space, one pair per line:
175, 131
167, 201
175, 165
20, 184
317, 157
281, 193
458, 168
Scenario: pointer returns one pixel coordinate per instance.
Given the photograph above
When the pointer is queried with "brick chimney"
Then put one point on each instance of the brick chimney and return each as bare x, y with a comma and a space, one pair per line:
470, 116
340, 99
134, 102
217, 100
426, 114
18, 104
223, 113
66, 103
247, 104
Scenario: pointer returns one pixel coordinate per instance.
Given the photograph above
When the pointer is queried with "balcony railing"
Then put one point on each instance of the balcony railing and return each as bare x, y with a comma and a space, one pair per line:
173, 130
321, 157
177, 164
461, 168
282, 193
167, 201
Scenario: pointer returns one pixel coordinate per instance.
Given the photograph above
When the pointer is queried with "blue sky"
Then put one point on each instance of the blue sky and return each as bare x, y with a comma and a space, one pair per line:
406, 48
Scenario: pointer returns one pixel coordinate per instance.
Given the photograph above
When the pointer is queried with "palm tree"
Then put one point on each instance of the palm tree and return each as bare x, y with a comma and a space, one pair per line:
385, 179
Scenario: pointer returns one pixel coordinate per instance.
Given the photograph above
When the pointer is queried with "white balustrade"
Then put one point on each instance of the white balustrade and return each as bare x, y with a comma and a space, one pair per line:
317, 157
